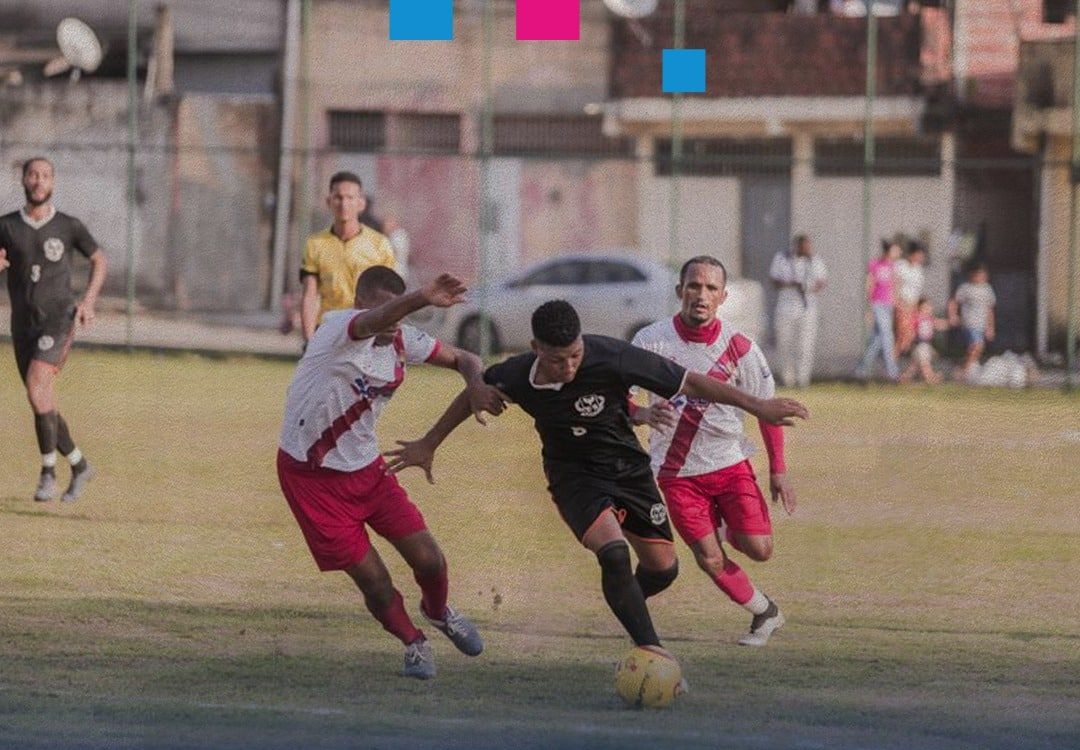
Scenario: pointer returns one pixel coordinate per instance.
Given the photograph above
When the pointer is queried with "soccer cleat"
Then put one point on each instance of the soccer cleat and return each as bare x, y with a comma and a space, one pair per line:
78, 483
763, 626
46, 488
460, 630
419, 660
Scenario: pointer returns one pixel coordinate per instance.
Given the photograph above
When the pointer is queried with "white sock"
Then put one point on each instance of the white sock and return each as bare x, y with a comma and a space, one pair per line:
74, 457
758, 603
48, 460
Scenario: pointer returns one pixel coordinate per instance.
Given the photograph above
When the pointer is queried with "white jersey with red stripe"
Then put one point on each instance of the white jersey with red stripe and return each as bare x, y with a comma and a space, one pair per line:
340, 386
708, 437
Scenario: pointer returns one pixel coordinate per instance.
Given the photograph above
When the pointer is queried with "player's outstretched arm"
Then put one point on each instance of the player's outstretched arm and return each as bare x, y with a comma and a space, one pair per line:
422, 452
444, 291
780, 411
482, 397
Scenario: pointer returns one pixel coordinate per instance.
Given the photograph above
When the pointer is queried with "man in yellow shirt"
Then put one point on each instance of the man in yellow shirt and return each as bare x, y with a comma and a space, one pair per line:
335, 257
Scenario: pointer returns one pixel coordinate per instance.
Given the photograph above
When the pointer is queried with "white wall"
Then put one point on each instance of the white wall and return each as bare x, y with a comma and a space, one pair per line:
709, 218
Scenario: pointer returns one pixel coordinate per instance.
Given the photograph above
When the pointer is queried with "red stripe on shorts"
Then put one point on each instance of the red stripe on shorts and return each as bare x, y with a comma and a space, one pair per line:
690, 421
328, 440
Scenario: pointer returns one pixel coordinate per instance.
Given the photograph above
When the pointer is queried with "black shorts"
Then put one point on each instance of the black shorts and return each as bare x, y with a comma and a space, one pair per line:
47, 342
626, 487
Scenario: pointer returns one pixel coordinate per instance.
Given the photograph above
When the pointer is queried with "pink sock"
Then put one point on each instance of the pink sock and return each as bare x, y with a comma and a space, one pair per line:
396, 620
435, 590
734, 582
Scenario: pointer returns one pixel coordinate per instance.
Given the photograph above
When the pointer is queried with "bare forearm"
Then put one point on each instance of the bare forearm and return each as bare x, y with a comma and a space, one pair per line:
387, 314
712, 390
98, 270
470, 367
458, 411
309, 311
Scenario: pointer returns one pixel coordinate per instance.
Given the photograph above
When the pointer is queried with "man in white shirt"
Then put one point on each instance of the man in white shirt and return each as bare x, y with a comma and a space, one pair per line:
800, 277
910, 281
330, 468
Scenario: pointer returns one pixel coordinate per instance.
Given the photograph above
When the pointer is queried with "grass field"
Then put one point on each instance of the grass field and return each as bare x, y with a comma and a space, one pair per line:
930, 579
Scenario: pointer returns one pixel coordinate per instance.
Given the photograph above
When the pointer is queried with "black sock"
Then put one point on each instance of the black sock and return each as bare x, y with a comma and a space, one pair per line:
624, 595
64, 443
652, 582
46, 428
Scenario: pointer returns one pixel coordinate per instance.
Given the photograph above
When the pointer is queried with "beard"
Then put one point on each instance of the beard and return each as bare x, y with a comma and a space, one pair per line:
35, 202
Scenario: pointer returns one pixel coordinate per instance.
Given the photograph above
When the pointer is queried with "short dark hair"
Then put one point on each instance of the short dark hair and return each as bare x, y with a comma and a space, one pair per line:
379, 278
799, 239
707, 260
29, 162
345, 177
556, 323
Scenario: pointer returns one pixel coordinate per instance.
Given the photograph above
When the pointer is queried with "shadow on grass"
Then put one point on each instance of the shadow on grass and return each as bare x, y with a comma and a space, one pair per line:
119, 673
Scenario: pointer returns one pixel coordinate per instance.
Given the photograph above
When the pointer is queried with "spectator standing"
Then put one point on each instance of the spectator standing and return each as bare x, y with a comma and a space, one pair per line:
972, 308
881, 293
910, 281
799, 277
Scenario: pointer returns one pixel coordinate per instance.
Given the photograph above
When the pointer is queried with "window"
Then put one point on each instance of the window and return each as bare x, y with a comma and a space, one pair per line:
1057, 11
555, 135
613, 272
893, 157
357, 131
725, 157
432, 133
559, 274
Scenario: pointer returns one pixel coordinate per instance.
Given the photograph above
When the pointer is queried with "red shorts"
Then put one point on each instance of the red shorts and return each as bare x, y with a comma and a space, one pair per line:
698, 504
333, 508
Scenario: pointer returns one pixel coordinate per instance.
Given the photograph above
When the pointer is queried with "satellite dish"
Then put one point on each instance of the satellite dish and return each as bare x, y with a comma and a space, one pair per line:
631, 8
79, 46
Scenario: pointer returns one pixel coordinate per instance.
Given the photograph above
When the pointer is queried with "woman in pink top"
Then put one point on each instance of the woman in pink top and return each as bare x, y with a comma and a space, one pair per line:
880, 290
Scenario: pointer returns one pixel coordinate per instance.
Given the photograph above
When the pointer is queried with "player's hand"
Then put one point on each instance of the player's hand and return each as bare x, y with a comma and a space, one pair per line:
781, 411
4, 262
84, 313
485, 398
782, 491
444, 291
660, 417
411, 453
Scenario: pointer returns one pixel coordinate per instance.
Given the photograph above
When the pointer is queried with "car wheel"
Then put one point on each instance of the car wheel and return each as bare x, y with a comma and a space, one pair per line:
468, 337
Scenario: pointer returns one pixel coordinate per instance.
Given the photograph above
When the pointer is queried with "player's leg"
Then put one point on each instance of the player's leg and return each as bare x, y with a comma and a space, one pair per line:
643, 516
41, 393
786, 336
622, 592
328, 508
808, 337
395, 517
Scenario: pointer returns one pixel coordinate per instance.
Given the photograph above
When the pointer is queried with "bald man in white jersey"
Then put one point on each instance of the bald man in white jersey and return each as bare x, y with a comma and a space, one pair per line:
699, 451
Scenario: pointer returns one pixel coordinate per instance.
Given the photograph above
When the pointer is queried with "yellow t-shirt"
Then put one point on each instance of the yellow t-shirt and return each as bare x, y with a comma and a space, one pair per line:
338, 264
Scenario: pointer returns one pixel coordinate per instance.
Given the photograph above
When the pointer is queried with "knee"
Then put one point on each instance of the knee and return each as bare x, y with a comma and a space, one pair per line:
429, 564
377, 588
711, 563
614, 559
759, 549
654, 581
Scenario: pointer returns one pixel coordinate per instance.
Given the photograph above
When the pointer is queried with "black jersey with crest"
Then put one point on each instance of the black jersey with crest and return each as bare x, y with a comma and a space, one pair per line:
39, 279
585, 424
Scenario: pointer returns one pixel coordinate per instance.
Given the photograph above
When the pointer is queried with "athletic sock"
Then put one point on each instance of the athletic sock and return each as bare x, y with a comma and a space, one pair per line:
48, 463
435, 590
734, 582
758, 604
46, 428
623, 594
63, 438
395, 620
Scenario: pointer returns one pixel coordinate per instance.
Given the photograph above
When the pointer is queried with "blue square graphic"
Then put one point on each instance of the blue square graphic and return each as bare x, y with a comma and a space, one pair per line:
421, 20
684, 71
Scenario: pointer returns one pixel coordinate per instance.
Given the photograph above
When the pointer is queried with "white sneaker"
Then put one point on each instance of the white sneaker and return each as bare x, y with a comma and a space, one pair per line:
46, 489
459, 629
78, 483
763, 626
419, 660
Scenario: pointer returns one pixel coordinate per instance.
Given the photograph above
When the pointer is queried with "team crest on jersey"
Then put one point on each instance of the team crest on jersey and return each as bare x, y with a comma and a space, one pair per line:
35, 273
45, 343
54, 249
657, 514
589, 406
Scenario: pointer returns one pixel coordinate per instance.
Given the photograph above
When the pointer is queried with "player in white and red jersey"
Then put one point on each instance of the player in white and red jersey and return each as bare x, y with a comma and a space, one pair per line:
699, 451
329, 464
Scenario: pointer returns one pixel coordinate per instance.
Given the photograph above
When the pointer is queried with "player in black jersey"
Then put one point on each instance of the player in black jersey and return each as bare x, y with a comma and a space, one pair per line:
576, 388
36, 244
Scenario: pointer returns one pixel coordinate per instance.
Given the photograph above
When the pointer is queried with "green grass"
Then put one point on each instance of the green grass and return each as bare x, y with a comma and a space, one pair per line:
929, 579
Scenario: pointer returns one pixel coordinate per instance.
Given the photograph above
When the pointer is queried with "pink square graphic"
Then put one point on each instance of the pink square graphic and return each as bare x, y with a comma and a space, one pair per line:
548, 20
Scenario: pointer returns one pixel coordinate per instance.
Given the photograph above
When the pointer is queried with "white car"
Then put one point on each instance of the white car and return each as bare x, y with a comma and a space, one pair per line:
616, 294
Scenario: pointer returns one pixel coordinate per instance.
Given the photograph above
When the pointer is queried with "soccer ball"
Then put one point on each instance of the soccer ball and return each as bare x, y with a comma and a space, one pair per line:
648, 678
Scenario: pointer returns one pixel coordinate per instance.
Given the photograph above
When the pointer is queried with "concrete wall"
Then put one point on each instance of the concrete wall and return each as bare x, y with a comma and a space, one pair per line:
202, 184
